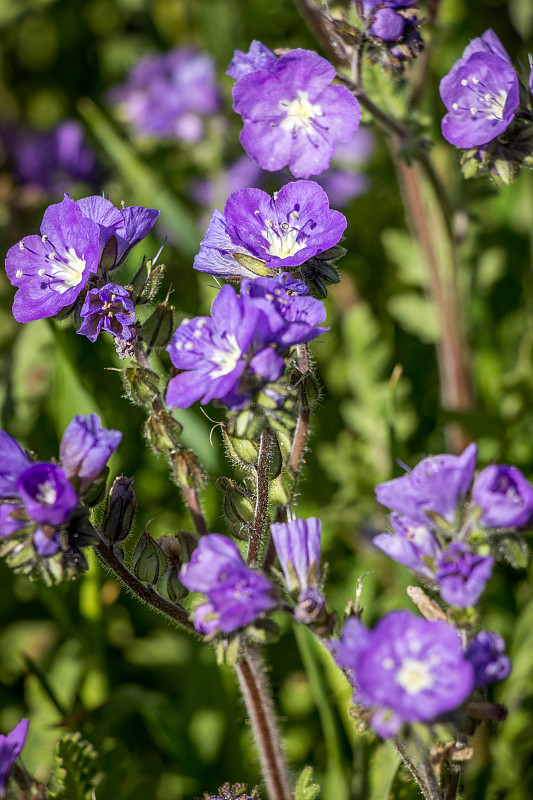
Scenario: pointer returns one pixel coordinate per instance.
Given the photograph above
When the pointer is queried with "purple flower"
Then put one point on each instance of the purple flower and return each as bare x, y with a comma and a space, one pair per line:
110, 308
505, 496
47, 495
13, 461
168, 95
236, 594
259, 56
480, 92
85, 449
387, 23
281, 231
297, 545
119, 229
462, 575
299, 315
412, 544
8, 523
233, 353
292, 115
51, 270
407, 669
55, 159
437, 484
486, 653
10, 747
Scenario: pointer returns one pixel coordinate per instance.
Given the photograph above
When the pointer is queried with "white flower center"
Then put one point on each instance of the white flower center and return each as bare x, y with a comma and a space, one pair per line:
66, 272
47, 493
226, 359
414, 676
299, 112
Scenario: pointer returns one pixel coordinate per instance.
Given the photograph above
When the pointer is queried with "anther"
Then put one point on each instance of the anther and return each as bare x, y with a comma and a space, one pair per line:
464, 82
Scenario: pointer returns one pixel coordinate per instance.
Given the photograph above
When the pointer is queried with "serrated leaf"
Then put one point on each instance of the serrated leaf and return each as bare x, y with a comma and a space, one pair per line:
75, 769
305, 789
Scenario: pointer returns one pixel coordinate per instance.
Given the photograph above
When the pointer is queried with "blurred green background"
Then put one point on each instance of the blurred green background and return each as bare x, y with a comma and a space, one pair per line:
165, 720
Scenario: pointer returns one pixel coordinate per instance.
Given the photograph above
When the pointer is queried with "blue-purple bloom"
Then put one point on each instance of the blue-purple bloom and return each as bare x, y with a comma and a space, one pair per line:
236, 351
297, 546
438, 484
55, 159
486, 653
405, 670
37, 494
109, 308
462, 575
504, 495
412, 544
481, 93
51, 270
168, 96
236, 595
85, 449
10, 747
281, 231
259, 56
292, 114
387, 22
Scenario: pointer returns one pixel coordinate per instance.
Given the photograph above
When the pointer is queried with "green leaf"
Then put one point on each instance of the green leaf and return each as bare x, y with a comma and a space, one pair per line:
384, 765
416, 314
75, 769
305, 789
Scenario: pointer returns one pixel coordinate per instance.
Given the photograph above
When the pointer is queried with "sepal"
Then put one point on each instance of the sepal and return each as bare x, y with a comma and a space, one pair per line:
119, 512
149, 562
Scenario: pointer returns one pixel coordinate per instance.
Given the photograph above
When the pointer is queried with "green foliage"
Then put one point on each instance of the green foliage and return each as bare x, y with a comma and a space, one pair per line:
75, 774
305, 789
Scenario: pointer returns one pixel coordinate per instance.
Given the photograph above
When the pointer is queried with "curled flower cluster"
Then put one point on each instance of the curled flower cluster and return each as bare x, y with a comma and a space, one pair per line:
292, 114
38, 499
168, 96
434, 531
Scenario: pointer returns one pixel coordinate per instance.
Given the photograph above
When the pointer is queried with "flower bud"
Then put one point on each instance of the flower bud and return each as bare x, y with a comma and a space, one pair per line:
119, 511
158, 328
242, 451
146, 282
108, 258
141, 384
149, 561
186, 469
162, 430
238, 506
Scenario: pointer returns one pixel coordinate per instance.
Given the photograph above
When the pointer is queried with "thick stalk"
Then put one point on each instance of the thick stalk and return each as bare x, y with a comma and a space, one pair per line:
252, 681
172, 611
261, 499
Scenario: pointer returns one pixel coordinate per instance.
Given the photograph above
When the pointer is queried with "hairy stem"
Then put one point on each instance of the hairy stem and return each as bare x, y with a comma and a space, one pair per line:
192, 500
253, 685
261, 499
422, 773
172, 611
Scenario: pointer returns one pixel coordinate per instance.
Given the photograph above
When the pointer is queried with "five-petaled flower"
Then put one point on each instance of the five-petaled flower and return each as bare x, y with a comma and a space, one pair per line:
257, 233
405, 670
292, 114
481, 93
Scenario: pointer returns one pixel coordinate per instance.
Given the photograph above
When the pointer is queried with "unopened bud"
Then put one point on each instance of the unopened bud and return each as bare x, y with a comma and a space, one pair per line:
141, 384
162, 430
241, 451
148, 561
158, 328
281, 489
309, 390
146, 282
238, 506
276, 459
120, 508
95, 493
245, 424
108, 259
186, 469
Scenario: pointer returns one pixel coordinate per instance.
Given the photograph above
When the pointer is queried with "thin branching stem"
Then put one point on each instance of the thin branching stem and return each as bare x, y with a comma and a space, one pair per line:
146, 594
424, 776
253, 685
